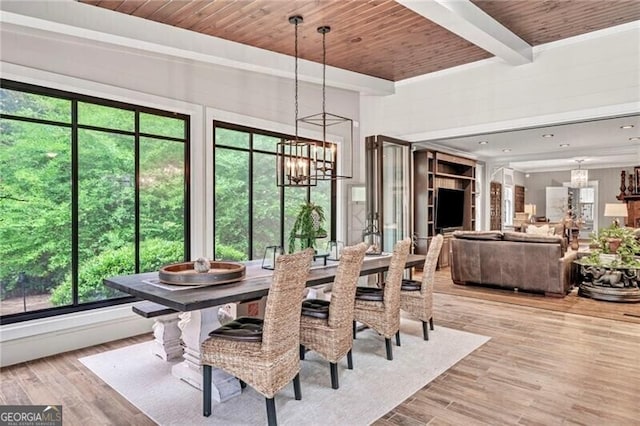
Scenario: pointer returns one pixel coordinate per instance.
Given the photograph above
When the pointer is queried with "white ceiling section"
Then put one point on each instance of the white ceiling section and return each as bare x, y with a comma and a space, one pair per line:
600, 143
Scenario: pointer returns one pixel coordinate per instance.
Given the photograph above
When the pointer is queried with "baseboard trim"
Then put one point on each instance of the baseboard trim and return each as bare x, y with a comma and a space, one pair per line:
35, 339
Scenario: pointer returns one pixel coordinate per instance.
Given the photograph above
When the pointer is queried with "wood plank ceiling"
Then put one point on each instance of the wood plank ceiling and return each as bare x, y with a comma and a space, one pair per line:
379, 38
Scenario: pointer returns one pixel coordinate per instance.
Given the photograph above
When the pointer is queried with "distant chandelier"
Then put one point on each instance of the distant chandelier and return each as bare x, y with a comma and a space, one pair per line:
293, 159
324, 158
579, 177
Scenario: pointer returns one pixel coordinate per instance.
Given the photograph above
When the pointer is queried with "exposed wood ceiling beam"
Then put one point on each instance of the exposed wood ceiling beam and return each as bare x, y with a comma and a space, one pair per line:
468, 21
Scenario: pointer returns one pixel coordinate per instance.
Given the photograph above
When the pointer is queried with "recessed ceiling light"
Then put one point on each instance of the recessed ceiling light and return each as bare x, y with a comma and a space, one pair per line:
564, 145
506, 150
483, 142
627, 126
547, 135
635, 138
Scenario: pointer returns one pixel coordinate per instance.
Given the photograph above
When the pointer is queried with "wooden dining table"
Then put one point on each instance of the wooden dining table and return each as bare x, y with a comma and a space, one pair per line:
198, 307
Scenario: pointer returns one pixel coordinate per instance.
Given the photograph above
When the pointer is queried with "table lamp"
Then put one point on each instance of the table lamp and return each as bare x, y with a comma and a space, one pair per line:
615, 210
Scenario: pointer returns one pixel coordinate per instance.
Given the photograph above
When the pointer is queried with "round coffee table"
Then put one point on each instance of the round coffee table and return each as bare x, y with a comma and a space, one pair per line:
608, 282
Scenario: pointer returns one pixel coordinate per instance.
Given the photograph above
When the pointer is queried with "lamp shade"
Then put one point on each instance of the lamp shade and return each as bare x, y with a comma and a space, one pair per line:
531, 209
615, 210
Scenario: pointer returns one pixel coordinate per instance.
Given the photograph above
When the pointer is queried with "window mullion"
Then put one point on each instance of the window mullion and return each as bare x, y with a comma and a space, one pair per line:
74, 204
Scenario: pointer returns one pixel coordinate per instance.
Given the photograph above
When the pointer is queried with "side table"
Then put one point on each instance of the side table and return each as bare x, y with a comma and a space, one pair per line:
608, 282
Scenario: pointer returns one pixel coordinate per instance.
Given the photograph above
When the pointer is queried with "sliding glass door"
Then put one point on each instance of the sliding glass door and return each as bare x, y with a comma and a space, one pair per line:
388, 170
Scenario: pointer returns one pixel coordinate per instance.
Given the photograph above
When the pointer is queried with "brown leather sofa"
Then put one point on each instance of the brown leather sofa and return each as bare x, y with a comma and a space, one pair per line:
515, 260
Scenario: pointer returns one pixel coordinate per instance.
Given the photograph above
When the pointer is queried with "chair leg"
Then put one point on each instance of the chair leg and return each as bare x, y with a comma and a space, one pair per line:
387, 343
302, 351
206, 390
425, 330
349, 360
334, 375
398, 338
354, 330
242, 384
271, 412
431, 323
297, 392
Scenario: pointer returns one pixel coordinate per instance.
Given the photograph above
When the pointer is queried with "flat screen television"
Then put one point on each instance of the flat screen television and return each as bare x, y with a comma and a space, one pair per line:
449, 208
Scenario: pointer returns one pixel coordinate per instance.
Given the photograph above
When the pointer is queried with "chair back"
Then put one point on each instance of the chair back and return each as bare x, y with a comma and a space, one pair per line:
281, 331
343, 291
393, 280
430, 262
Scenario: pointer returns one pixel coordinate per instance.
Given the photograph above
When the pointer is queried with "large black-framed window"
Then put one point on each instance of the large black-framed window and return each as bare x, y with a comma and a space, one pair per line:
90, 188
250, 211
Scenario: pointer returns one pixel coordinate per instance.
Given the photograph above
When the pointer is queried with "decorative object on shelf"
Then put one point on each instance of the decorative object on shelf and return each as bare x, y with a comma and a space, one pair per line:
623, 186
308, 226
579, 177
636, 172
324, 159
186, 274
632, 184
334, 249
271, 253
372, 236
615, 210
293, 159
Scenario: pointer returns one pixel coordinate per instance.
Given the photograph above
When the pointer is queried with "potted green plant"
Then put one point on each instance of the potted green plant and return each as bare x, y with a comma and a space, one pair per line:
307, 227
619, 242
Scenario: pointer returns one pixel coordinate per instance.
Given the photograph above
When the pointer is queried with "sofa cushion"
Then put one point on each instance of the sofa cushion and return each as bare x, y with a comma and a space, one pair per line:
532, 238
478, 235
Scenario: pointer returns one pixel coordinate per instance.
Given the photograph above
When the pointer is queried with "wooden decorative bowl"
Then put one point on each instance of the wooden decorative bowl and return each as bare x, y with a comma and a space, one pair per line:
185, 274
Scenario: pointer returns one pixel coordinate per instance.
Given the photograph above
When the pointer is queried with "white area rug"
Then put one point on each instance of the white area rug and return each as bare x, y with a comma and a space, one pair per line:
366, 393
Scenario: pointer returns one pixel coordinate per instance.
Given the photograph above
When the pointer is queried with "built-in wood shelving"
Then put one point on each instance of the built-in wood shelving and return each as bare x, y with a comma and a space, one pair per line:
433, 170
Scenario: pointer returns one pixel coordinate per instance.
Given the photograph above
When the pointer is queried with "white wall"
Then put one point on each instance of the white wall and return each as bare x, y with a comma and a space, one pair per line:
565, 79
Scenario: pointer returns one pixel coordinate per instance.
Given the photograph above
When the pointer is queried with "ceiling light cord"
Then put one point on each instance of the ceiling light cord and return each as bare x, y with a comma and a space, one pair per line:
296, 22
324, 85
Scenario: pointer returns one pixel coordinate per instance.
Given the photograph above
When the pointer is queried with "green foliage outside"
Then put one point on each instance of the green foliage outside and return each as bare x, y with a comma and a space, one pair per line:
154, 254
36, 194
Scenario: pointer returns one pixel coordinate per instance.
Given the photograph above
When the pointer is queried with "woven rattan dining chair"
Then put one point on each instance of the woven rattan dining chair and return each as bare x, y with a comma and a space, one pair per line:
325, 326
263, 353
416, 297
379, 308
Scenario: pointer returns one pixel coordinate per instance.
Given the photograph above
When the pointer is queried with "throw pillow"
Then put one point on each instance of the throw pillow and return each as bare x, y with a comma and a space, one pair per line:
538, 230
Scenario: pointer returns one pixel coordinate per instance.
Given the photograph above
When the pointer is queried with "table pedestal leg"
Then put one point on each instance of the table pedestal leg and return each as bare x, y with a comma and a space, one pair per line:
166, 335
195, 326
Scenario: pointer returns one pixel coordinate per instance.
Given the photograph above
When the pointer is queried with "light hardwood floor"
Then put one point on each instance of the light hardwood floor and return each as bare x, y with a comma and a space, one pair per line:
541, 367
